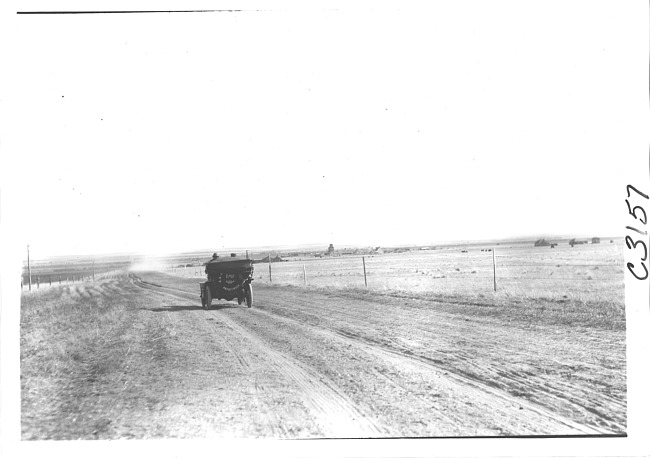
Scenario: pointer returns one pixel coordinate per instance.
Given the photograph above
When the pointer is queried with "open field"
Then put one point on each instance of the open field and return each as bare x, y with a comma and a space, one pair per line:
135, 356
66, 269
588, 277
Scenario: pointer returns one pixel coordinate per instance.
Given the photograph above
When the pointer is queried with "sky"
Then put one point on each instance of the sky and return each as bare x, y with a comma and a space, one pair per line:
455, 121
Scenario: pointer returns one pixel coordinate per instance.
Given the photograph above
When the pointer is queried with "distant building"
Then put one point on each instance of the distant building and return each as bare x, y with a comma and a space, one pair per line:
330, 249
270, 259
542, 242
595, 240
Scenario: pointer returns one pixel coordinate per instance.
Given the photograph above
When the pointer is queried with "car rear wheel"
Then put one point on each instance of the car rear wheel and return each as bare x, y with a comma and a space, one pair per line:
249, 295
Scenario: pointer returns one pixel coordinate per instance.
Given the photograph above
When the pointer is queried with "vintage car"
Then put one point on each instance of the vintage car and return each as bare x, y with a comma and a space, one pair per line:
228, 279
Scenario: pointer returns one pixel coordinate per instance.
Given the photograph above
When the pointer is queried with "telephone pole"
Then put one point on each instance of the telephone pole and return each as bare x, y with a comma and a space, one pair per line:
29, 270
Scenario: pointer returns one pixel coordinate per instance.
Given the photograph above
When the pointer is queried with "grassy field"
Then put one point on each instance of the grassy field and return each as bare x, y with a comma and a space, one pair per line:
576, 284
66, 269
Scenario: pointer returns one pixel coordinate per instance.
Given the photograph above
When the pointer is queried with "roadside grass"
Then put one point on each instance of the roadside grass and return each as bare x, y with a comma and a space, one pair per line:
508, 307
573, 310
74, 352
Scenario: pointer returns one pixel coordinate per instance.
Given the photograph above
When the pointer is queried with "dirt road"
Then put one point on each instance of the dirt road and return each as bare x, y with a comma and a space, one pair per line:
305, 364
308, 364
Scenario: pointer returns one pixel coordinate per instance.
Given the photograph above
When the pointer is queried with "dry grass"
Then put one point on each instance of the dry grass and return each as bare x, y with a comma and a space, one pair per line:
506, 307
75, 347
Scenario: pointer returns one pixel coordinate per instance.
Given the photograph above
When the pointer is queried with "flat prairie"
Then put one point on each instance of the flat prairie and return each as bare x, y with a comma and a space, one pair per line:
428, 349
576, 284
584, 272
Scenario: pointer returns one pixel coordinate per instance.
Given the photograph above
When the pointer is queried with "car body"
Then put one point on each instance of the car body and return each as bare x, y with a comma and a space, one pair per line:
228, 279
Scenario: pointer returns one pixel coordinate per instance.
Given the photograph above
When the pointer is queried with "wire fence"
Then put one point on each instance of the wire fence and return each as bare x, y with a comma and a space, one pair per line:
589, 271
42, 279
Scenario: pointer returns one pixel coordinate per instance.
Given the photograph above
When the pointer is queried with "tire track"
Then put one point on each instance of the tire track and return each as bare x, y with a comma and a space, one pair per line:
334, 412
242, 359
463, 383
494, 397
500, 400
468, 378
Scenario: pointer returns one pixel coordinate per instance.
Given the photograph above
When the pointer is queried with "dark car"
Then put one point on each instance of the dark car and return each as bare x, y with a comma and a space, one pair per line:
228, 279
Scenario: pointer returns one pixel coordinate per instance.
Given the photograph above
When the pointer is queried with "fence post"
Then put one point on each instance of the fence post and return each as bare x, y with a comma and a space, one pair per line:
50, 279
494, 268
304, 275
365, 279
38, 282
270, 278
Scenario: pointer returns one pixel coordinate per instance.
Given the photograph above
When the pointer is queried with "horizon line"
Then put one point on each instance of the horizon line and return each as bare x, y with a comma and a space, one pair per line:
266, 248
